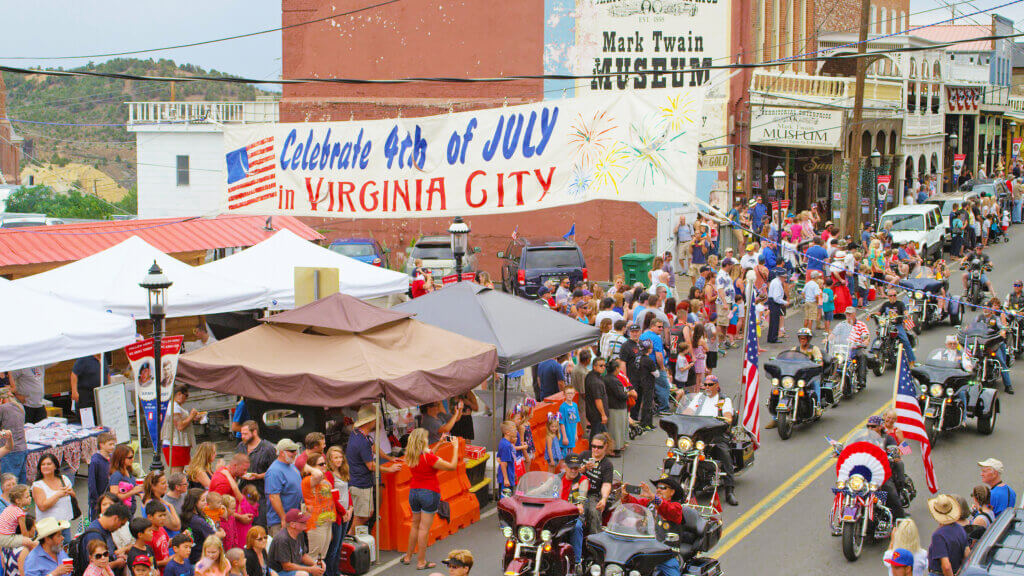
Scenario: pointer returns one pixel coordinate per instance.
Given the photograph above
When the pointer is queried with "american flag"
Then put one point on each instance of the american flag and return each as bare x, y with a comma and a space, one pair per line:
910, 420
251, 173
751, 411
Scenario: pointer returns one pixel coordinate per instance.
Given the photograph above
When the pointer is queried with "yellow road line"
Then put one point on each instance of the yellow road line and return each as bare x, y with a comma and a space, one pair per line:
770, 504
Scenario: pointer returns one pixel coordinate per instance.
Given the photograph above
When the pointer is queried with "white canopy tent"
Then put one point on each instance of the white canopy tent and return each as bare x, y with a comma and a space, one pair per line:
108, 281
272, 263
40, 329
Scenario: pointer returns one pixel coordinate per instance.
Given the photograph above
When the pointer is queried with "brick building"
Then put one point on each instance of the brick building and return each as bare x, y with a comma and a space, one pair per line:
10, 143
434, 38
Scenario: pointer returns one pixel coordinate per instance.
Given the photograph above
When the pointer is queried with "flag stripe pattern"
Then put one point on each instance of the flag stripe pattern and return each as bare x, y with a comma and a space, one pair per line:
751, 411
259, 175
910, 420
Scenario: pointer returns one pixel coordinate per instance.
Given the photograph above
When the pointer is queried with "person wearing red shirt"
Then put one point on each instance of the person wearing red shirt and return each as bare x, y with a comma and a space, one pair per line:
669, 510
424, 492
225, 480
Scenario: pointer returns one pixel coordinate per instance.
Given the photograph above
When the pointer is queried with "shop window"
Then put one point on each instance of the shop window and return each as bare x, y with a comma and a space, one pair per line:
182, 170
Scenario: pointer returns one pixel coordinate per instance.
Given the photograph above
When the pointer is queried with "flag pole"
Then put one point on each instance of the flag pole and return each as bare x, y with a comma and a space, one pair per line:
749, 289
896, 381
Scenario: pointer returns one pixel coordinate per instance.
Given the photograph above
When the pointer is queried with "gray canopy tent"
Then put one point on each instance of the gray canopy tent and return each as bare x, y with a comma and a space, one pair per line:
524, 332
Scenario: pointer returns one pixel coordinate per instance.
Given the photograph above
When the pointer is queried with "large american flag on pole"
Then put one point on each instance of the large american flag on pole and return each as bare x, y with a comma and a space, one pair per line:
751, 411
910, 420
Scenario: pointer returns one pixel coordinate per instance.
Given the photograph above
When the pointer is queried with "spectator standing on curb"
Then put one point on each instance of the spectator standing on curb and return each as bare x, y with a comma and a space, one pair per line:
359, 454
284, 486
424, 492
99, 469
12, 417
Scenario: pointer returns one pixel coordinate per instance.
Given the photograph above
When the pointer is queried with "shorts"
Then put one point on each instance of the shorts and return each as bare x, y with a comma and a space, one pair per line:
179, 455
827, 315
711, 362
362, 501
423, 500
732, 330
810, 310
723, 316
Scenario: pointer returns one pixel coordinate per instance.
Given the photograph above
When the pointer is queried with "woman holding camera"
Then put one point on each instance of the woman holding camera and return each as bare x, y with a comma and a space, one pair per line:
424, 492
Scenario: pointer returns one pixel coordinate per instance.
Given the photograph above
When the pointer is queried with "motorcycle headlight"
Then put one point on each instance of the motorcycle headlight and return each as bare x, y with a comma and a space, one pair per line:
506, 531
856, 483
800, 383
924, 389
699, 445
545, 535
595, 570
840, 484
634, 573
788, 382
918, 295
949, 392
775, 381
526, 535
936, 390
613, 570
684, 443
669, 443
872, 486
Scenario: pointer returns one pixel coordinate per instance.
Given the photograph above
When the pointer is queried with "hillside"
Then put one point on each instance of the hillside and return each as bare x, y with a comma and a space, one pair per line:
87, 100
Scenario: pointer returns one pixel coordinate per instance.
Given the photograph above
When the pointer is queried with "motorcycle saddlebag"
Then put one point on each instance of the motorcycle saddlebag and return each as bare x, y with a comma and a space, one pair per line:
702, 566
871, 358
355, 557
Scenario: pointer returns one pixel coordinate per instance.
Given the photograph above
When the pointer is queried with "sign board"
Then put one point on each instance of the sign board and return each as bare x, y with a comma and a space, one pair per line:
141, 357
314, 283
1016, 148
958, 164
783, 203
629, 146
715, 162
796, 128
883, 186
112, 404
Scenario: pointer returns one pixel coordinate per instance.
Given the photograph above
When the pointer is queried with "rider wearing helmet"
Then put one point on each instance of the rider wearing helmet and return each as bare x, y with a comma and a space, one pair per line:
892, 498
984, 260
993, 315
805, 347
1016, 298
898, 309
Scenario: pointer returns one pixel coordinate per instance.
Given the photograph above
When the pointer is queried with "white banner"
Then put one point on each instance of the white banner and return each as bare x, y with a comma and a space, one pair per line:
796, 127
629, 146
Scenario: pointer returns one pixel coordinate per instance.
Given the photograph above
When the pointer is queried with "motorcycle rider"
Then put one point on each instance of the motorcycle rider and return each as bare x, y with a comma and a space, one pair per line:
992, 315
600, 474
1016, 298
985, 261
858, 338
710, 402
899, 309
892, 497
667, 509
885, 426
803, 336
574, 489
951, 353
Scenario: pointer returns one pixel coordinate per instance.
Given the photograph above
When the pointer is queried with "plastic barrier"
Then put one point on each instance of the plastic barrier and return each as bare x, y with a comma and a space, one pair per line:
538, 423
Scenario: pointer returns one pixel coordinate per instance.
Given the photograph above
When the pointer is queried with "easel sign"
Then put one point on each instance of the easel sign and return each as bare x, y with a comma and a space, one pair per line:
112, 409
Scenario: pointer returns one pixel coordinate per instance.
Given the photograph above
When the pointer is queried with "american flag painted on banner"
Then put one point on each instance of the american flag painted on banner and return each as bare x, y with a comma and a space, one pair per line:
251, 173
751, 411
910, 420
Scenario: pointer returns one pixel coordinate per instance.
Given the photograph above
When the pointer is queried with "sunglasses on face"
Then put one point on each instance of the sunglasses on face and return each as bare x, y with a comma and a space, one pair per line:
597, 446
99, 555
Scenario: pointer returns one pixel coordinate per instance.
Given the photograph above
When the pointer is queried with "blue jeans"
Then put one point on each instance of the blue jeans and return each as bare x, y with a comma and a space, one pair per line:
661, 388
901, 333
1016, 211
816, 386
1001, 356
577, 539
669, 567
14, 463
334, 549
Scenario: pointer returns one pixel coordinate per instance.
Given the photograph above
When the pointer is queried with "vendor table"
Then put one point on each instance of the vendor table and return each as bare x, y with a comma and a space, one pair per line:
70, 443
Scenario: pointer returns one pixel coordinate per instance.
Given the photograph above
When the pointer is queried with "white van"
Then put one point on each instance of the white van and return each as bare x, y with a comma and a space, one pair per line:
945, 202
921, 223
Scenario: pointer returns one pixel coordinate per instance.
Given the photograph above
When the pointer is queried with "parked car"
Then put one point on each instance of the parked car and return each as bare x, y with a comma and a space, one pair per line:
998, 550
945, 202
921, 223
27, 220
436, 253
363, 249
528, 262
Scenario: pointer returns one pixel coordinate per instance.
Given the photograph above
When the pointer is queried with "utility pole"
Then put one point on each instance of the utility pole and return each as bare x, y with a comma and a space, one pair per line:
852, 216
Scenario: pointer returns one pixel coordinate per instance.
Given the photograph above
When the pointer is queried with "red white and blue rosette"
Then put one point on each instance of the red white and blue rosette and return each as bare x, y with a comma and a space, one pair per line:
864, 459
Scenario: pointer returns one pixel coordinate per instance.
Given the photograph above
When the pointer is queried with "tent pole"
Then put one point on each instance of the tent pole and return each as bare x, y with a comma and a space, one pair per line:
376, 484
494, 429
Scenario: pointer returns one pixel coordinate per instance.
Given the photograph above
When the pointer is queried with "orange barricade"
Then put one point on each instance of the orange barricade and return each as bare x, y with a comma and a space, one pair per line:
552, 404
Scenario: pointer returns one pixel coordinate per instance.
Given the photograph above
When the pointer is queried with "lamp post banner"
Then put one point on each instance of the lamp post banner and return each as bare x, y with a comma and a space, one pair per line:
140, 356
629, 146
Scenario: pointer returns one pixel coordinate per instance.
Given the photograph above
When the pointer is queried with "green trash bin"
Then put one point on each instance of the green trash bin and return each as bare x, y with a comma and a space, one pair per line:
635, 267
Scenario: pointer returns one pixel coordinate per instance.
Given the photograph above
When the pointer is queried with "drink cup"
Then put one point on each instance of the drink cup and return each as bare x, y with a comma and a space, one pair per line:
67, 562
140, 481
335, 493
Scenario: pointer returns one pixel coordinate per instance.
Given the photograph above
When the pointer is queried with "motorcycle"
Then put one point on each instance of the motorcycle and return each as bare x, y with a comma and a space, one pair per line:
634, 543
981, 341
925, 307
943, 409
975, 288
858, 506
687, 462
790, 401
842, 375
886, 343
1014, 332
537, 525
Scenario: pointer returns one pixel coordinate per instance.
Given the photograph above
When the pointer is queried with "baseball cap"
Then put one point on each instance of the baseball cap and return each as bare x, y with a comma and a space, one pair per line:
901, 557
141, 560
574, 460
646, 344
728, 262
294, 515
992, 463
287, 444
634, 326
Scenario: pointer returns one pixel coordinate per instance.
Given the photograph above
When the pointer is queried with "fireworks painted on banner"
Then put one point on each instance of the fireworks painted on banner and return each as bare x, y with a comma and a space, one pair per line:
579, 182
592, 137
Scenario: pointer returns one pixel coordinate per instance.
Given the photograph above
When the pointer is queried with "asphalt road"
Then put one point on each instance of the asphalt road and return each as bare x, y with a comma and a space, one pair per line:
781, 524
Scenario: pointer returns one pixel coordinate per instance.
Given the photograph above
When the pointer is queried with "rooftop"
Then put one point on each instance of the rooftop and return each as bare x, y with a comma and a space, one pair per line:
954, 32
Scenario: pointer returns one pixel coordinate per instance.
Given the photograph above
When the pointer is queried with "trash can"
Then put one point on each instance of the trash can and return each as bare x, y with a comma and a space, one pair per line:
635, 267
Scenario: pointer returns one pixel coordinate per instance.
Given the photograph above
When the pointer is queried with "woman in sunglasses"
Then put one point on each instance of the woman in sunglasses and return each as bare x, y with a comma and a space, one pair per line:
99, 559
459, 563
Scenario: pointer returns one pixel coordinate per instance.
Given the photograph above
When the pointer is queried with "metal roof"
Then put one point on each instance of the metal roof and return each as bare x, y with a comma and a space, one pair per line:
69, 242
952, 32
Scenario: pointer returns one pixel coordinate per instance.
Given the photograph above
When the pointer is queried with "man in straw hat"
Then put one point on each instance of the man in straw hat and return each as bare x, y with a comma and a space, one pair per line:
49, 558
359, 454
949, 541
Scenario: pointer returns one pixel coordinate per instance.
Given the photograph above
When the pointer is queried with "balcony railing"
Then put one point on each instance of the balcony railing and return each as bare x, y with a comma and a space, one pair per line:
1017, 104
969, 73
922, 125
183, 113
826, 89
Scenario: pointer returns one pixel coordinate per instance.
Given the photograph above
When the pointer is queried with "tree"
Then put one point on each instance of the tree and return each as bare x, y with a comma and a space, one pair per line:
74, 204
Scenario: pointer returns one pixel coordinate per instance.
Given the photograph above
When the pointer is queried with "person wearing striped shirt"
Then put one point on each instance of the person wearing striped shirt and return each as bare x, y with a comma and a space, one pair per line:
858, 340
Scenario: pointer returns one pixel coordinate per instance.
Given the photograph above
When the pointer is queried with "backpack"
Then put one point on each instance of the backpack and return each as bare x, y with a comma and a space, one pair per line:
78, 553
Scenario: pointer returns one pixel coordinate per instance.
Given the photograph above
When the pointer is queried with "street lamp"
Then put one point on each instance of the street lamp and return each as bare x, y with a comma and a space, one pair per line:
876, 159
953, 140
157, 284
459, 231
779, 178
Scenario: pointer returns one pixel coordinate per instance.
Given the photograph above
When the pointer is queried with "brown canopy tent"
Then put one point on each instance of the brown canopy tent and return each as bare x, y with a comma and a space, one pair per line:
340, 351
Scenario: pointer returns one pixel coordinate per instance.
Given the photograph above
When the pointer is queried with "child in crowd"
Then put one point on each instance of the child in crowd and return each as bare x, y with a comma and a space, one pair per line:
828, 304
526, 429
568, 419
507, 457
229, 523
13, 559
553, 444
142, 531
12, 519
248, 506
142, 566
236, 557
213, 562
214, 507
179, 565
161, 544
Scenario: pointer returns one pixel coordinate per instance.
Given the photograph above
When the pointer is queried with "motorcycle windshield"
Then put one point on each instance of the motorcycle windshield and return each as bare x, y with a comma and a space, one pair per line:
945, 358
631, 520
838, 341
539, 485
865, 435
792, 356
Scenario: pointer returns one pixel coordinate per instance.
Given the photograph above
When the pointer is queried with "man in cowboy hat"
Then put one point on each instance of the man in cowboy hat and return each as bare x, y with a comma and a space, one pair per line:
48, 558
359, 454
949, 541
665, 500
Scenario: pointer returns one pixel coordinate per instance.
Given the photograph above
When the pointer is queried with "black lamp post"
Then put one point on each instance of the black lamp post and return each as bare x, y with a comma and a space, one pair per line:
157, 284
459, 231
